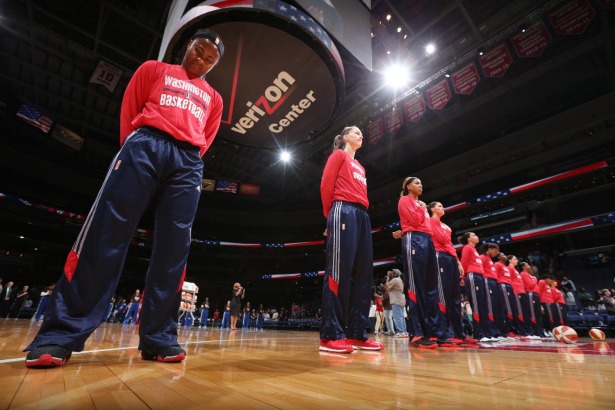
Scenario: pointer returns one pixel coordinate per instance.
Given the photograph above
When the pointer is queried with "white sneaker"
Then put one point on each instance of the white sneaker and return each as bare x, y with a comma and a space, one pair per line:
485, 340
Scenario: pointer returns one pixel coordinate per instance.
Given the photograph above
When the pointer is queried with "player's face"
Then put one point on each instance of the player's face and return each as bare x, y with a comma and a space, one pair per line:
201, 56
438, 209
415, 187
473, 238
492, 252
514, 261
354, 138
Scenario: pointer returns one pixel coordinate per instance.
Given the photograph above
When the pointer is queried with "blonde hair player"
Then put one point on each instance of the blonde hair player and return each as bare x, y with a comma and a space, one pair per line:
347, 285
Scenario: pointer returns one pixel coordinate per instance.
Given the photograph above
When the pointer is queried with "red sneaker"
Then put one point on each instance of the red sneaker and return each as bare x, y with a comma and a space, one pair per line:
456, 341
368, 344
423, 343
470, 341
335, 346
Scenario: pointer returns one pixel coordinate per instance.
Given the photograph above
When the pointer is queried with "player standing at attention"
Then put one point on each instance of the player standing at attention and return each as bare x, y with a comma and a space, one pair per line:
533, 300
347, 285
520, 296
419, 257
495, 308
508, 296
169, 117
450, 274
475, 285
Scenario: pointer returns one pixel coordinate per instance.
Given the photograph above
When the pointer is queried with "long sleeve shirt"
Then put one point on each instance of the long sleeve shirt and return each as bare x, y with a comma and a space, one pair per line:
412, 216
441, 237
166, 97
470, 260
488, 267
343, 179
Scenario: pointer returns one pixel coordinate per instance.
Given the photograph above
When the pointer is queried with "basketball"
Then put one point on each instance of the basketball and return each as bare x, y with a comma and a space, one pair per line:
597, 334
565, 334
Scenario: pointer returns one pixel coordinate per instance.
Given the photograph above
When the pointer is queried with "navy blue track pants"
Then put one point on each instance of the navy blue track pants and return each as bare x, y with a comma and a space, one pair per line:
476, 291
449, 291
149, 169
421, 283
495, 308
347, 285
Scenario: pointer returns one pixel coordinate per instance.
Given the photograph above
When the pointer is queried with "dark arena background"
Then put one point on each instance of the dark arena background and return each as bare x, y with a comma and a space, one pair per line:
507, 116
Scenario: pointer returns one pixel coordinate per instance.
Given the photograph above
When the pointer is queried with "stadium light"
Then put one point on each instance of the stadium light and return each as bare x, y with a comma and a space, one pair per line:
285, 156
397, 76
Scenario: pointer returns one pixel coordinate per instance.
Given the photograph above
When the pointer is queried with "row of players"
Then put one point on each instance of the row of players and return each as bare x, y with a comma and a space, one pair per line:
506, 303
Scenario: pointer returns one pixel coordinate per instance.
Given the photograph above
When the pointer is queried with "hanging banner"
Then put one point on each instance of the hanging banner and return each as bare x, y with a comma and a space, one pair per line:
465, 79
392, 121
415, 108
533, 42
375, 130
572, 18
107, 75
439, 95
496, 62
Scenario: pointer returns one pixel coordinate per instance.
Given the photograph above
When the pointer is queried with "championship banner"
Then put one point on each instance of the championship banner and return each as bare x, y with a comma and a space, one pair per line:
533, 42
67, 137
392, 121
415, 108
572, 18
106, 75
439, 95
375, 131
496, 62
465, 79
249, 189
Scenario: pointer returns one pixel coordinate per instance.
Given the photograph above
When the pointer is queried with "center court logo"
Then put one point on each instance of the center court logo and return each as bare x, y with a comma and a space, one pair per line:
268, 103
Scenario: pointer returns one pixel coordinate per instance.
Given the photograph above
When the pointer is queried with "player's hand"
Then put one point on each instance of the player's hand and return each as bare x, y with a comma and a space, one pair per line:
397, 234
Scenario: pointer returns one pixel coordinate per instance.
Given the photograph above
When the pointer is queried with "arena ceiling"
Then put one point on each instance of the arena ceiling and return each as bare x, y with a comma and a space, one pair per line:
507, 129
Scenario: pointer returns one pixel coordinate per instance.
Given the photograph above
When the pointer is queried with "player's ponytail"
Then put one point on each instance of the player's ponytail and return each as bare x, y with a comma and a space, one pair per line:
338, 142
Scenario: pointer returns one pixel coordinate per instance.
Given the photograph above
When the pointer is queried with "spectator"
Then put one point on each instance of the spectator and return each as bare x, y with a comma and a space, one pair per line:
608, 301
6, 300
42, 305
585, 298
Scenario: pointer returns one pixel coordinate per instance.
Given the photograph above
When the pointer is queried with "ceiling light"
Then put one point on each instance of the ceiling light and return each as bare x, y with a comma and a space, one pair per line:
447, 74
397, 76
481, 51
405, 36
285, 156
430, 48
399, 29
389, 17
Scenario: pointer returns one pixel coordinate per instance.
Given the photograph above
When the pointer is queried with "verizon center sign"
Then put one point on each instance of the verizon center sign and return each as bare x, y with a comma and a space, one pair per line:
281, 75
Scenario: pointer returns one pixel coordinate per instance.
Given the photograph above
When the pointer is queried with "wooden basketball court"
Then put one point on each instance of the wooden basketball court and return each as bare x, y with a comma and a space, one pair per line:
285, 370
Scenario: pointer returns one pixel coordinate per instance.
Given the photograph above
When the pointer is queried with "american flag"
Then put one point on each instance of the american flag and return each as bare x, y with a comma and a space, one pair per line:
495, 195
34, 117
604, 219
273, 245
226, 186
498, 239
311, 274
282, 276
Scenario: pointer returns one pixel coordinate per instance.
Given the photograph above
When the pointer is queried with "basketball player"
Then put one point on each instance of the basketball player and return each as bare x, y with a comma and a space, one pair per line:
547, 300
474, 281
520, 297
421, 267
347, 285
169, 117
559, 304
450, 273
509, 327
533, 300
495, 308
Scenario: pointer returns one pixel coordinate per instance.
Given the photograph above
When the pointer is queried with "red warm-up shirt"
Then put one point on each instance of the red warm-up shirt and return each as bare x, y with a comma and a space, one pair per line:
470, 260
343, 179
557, 296
413, 217
530, 282
166, 97
545, 293
516, 281
488, 267
441, 237
503, 273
